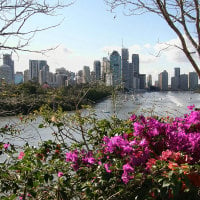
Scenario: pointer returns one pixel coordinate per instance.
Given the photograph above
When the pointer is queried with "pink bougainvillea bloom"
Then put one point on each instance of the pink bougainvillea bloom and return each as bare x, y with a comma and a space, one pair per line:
60, 174
6, 146
106, 165
21, 155
191, 107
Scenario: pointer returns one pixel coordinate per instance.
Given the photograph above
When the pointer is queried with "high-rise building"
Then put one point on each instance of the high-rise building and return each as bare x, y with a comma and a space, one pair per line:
105, 68
6, 74
163, 80
149, 80
34, 68
7, 60
175, 81
131, 75
193, 80
142, 78
125, 67
44, 75
86, 74
115, 69
61, 70
26, 76
136, 63
184, 82
19, 77
97, 69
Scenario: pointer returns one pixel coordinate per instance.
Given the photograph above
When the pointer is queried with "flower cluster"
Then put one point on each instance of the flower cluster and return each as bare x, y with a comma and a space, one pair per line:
172, 144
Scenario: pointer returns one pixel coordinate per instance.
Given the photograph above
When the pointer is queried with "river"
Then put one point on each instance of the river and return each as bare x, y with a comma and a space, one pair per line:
155, 103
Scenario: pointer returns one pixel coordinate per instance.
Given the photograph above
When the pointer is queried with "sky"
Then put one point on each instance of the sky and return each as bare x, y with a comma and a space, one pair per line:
89, 31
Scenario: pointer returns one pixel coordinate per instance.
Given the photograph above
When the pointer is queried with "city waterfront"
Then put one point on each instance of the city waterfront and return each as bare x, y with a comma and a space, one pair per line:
172, 104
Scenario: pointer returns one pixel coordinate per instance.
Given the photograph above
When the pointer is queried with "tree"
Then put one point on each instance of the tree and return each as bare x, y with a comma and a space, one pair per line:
182, 16
15, 35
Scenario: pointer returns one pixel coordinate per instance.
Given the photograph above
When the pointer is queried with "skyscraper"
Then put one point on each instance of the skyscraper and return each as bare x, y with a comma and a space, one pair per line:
97, 69
193, 80
149, 80
7, 60
34, 68
163, 80
135, 61
86, 74
125, 67
131, 75
184, 82
105, 68
6, 74
115, 69
175, 81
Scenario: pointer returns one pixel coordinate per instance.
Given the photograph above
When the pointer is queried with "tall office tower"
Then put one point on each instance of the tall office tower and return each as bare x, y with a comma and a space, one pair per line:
149, 80
175, 81
193, 80
44, 75
61, 70
19, 77
79, 77
6, 74
60, 80
115, 69
86, 74
131, 75
97, 69
136, 64
163, 80
26, 75
105, 68
7, 60
142, 78
34, 67
125, 67
184, 82
93, 76
177, 72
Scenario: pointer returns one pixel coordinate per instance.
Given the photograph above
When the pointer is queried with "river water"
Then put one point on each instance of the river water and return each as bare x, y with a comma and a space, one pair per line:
156, 103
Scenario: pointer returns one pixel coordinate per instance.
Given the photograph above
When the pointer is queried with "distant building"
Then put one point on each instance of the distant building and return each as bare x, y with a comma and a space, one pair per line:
125, 67
193, 80
163, 80
7, 60
131, 76
86, 74
136, 62
105, 68
175, 81
44, 75
184, 82
115, 69
26, 76
6, 74
61, 70
97, 69
34, 68
149, 80
142, 78
19, 77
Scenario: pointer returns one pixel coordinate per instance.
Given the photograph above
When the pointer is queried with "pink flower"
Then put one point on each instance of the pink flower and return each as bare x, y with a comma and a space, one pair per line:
60, 174
106, 165
21, 155
191, 107
6, 146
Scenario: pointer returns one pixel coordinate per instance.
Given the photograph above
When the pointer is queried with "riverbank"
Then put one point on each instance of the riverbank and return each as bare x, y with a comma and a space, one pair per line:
26, 98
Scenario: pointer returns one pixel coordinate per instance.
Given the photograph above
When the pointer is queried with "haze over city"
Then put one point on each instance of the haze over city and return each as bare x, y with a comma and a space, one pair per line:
89, 31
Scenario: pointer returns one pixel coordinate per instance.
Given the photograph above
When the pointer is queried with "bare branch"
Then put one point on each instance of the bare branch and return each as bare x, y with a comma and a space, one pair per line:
16, 14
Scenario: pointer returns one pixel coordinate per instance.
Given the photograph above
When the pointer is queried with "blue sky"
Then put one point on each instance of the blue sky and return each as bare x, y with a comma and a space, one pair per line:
89, 31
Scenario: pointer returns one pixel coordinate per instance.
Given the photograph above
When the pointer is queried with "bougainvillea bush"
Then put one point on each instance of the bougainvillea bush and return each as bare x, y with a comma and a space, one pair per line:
140, 158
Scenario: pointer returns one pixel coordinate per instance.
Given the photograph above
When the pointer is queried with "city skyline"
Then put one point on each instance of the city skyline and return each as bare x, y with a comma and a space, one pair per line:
88, 36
